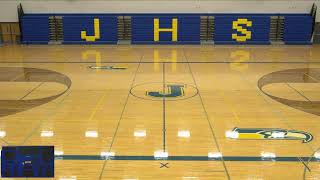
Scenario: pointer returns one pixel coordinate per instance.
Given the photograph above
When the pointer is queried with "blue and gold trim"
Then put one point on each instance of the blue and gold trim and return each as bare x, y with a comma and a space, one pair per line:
189, 158
271, 134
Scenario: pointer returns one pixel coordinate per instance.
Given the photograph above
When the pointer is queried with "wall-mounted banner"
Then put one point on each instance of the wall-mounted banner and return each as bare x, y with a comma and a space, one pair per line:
90, 29
242, 29
165, 30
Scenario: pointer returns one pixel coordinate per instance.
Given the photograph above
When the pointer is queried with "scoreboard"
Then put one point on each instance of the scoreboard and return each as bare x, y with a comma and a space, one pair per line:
27, 161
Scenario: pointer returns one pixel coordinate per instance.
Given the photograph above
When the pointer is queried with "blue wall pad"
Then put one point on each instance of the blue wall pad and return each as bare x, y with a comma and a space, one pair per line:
73, 25
298, 29
188, 29
35, 29
242, 29
229, 28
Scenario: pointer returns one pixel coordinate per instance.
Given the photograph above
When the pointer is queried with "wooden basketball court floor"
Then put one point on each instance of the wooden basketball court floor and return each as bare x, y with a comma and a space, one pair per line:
113, 112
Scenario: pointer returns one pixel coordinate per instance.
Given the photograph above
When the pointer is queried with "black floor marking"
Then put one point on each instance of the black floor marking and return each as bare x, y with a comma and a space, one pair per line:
312, 77
47, 116
31, 91
162, 165
189, 158
120, 118
308, 161
164, 106
207, 117
302, 95
305, 165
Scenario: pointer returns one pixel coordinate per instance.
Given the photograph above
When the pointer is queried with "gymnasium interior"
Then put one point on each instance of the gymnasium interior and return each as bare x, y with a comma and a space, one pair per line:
160, 89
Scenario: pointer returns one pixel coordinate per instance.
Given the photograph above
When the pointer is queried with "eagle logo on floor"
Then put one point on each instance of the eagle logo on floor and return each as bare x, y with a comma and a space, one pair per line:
269, 134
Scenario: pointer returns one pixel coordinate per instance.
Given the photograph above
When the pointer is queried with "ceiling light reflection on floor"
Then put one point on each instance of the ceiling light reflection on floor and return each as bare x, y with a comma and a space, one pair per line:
184, 134
91, 134
278, 134
232, 134
160, 154
268, 155
68, 178
214, 155
107, 154
58, 153
190, 177
140, 133
317, 155
3, 134
46, 133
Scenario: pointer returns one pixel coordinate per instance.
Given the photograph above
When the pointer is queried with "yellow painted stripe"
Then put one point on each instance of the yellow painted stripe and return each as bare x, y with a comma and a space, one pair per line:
98, 105
250, 136
231, 107
120, 67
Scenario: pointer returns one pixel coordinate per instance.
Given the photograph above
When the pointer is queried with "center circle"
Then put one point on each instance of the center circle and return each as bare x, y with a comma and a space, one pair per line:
157, 91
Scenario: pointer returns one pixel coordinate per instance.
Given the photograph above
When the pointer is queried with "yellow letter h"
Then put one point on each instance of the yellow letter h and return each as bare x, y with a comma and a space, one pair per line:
173, 30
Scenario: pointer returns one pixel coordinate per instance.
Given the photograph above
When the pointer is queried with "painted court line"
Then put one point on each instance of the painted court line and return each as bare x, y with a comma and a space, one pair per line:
32, 90
305, 165
188, 158
207, 116
120, 118
151, 62
298, 92
164, 106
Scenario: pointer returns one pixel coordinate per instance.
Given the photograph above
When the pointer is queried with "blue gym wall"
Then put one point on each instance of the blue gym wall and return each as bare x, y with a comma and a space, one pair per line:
298, 28
35, 29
